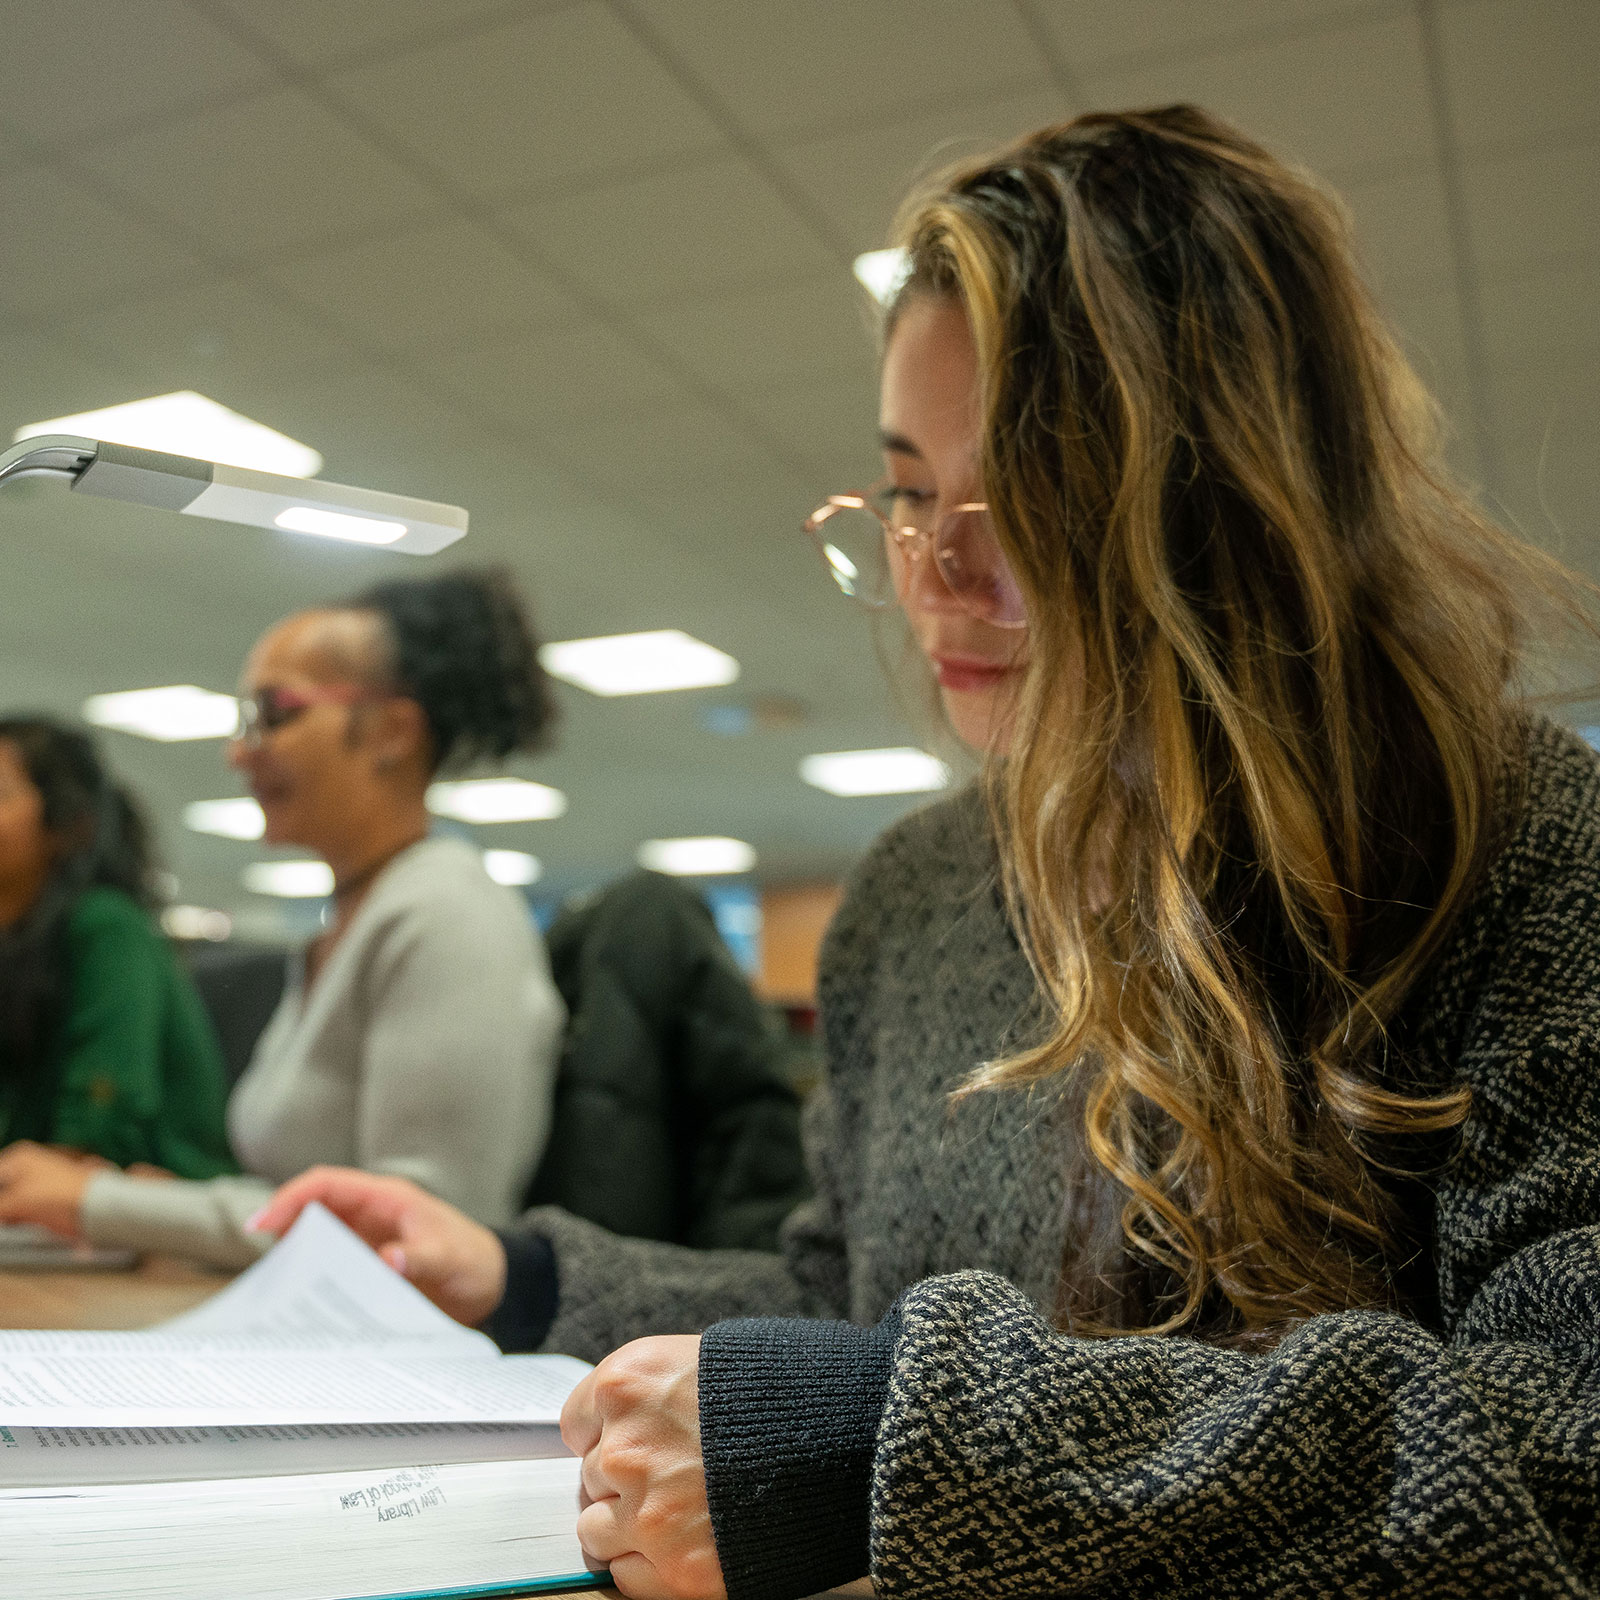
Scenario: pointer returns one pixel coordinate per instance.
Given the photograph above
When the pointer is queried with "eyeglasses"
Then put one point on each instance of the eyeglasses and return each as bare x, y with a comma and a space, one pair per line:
271, 708
868, 542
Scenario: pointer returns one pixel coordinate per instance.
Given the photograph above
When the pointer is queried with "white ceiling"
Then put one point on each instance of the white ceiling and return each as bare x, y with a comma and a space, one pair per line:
584, 268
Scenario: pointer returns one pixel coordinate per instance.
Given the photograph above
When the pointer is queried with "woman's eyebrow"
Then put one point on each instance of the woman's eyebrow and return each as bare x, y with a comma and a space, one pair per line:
898, 444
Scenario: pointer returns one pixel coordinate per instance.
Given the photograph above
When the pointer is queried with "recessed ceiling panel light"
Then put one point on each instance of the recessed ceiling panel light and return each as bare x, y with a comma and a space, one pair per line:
898, 771
188, 424
228, 819
881, 272
178, 711
696, 858
289, 880
496, 800
514, 868
639, 663
196, 922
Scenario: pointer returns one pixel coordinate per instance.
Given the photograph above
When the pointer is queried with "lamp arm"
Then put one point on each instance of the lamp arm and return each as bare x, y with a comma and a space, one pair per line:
49, 455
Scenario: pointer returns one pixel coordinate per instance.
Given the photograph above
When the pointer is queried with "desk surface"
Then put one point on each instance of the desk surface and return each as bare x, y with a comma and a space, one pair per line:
151, 1292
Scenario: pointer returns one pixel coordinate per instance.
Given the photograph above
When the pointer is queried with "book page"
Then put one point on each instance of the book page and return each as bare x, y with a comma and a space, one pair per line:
40, 1457
318, 1288
405, 1532
176, 1388
322, 1284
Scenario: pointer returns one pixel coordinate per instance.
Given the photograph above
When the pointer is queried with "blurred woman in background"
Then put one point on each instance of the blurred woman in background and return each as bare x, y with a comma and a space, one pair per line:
418, 1033
105, 1049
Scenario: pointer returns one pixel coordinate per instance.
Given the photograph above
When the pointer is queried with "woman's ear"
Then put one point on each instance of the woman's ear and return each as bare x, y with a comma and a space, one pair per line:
398, 735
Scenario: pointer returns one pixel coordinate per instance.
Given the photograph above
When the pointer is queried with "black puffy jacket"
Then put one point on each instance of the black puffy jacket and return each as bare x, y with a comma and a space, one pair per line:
675, 1114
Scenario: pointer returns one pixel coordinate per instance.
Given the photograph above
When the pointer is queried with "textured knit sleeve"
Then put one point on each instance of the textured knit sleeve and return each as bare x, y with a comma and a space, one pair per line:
459, 1054
1366, 1454
611, 1289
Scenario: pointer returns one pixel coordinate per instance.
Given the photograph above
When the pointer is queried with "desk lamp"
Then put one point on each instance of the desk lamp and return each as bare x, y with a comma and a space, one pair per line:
236, 494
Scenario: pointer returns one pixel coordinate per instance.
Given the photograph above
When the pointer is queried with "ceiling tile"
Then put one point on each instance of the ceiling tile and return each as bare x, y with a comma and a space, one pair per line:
375, 425
859, 177
76, 251
316, 34
1091, 32
1553, 400
834, 63
1522, 74
682, 234
422, 287
40, 377
1402, 232
545, 101
1547, 314
264, 178
221, 336
577, 373
685, 444
830, 423
1349, 101
746, 342
1523, 209
75, 67
1549, 449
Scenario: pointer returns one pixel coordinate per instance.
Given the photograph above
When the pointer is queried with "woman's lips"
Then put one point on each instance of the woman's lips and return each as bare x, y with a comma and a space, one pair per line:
969, 674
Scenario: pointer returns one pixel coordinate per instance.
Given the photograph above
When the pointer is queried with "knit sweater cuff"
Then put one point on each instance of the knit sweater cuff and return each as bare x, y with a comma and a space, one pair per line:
521, 1322
789, 1414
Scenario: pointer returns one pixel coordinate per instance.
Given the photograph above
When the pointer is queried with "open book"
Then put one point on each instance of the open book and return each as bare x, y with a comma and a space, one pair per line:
316, 1431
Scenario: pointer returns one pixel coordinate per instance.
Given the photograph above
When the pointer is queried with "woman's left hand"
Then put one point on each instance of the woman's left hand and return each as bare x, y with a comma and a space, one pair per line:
43, 1185
635, 1420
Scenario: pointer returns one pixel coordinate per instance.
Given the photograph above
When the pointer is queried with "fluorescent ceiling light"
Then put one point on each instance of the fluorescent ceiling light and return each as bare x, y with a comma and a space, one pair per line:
340, 525
228, 819
639, 663
881, 272
897, 771
178, 711
696, 858
496, 800
188, 424
513, 868
204, 488
196, 922
289, 880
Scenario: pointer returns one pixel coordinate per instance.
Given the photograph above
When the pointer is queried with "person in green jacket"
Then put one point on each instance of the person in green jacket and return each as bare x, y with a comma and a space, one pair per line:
105, 1048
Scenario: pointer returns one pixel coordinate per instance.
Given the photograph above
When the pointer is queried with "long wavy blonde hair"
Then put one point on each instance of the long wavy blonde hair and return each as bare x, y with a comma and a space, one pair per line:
1259, 756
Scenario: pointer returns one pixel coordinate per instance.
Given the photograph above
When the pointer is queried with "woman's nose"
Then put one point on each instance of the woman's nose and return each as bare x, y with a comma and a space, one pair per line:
924, 587
238, 755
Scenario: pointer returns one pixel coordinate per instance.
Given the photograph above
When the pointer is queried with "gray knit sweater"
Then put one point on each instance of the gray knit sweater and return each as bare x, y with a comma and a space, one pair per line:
1366, 1455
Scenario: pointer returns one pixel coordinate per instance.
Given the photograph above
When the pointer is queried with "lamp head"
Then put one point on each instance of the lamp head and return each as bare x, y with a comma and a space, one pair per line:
237, 494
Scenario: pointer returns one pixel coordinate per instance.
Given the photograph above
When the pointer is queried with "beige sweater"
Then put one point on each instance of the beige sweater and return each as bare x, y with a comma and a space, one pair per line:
426, 1047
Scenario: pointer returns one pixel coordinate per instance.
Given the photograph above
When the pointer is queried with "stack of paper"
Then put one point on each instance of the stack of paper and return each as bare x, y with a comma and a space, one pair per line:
316, 1431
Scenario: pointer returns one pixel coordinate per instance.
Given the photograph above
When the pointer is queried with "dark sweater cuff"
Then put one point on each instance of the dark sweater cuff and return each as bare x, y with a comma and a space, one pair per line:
522, 1320
789, 1414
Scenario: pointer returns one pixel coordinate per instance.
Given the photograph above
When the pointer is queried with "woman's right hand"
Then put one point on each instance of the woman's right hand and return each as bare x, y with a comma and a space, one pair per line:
458, 1263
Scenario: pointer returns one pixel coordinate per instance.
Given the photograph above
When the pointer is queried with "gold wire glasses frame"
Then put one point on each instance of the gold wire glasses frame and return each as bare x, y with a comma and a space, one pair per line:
865, 550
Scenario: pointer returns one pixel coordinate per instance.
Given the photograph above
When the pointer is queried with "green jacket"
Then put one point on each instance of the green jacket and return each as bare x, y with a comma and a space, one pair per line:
136, 1074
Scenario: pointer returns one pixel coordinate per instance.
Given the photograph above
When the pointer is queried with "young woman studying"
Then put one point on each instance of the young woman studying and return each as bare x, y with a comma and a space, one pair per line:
1209, 1165
418, 1033
105, 1048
